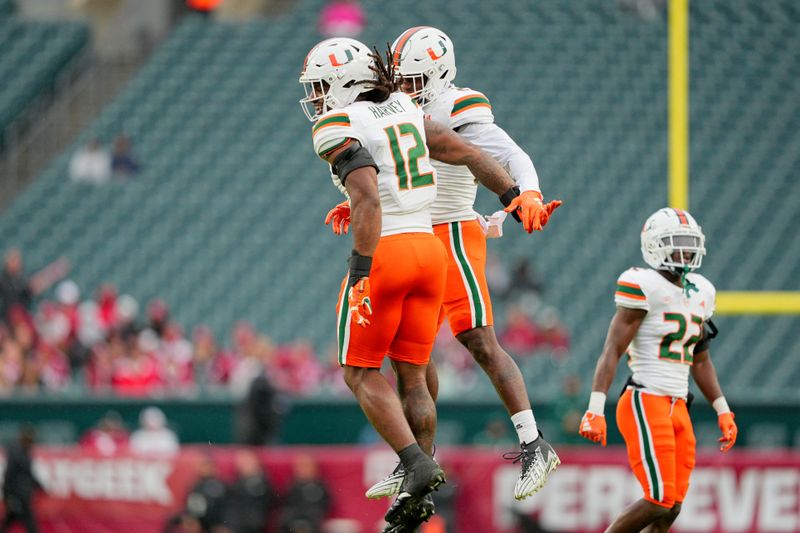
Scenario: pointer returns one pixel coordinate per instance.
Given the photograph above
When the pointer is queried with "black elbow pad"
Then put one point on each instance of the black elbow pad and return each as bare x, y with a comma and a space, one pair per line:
709, 332
352, 158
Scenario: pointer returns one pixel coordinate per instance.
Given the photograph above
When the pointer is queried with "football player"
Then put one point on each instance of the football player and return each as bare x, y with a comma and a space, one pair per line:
663, 324
379, 148
425, 59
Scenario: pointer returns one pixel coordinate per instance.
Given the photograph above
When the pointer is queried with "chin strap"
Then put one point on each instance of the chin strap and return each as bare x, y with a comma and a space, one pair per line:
688, 286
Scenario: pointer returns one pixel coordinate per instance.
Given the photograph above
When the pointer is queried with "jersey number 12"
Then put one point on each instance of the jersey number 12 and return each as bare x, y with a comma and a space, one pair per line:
406, 165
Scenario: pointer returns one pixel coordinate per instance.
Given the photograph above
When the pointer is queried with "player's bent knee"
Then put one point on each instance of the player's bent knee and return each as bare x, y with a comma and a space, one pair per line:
481, 343
354, 376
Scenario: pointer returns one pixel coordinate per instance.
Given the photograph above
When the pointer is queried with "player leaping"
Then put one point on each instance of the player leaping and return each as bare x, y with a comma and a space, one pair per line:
425, 59
378, 146
663, 324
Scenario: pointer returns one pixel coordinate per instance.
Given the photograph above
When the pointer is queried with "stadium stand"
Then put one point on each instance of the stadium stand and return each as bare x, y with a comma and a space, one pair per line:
225, 220
34, 54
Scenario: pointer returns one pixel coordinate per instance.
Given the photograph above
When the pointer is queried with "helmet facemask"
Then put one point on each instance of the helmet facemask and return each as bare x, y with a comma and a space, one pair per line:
414, 86
675, 249
683, 251
315, 104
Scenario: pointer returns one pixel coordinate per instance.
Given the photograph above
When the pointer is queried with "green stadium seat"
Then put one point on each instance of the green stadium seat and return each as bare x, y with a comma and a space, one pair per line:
225, 220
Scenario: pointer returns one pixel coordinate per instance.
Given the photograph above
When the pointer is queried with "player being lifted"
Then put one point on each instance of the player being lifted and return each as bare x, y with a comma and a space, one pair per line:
663, 324
424, 58
378, 146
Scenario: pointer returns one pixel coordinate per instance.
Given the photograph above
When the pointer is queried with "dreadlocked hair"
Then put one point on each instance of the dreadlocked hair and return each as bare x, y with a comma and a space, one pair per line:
387, 83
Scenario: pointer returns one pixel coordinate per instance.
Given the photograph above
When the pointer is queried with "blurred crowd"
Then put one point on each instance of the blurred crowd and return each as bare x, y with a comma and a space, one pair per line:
101, 344
104, 344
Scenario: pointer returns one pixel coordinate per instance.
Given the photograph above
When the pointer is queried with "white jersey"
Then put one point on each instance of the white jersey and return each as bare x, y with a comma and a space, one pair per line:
393, 132
470, 113
457, 186
663, 348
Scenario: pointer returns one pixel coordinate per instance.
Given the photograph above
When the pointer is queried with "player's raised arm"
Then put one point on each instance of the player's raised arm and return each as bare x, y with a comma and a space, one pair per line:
621, 331
528, 198
446, 146
705, 375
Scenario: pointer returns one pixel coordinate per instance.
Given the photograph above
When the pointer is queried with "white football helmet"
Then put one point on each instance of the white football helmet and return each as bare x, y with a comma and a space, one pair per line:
331, 75
670, 230
425, 57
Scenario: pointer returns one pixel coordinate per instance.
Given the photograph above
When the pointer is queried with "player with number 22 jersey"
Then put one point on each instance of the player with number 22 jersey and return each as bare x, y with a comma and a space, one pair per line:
663, 324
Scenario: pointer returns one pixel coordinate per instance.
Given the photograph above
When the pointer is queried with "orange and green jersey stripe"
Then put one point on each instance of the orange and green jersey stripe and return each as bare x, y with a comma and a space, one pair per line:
340, 119
630, 290
323, 154
465, 103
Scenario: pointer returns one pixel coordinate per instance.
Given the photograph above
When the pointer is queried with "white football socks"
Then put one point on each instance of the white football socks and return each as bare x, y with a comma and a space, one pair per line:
525, 425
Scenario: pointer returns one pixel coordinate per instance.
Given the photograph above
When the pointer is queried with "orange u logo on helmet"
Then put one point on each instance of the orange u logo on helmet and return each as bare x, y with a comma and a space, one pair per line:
433, 55
335, 62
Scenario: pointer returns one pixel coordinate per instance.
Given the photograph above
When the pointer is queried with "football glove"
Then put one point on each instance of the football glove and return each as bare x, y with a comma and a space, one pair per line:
593, 427
533, 213
359, 302
339, 218
729, 431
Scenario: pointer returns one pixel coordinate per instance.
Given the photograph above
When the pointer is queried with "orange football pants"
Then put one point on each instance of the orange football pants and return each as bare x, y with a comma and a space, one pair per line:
466, 296
406, 288
661, 444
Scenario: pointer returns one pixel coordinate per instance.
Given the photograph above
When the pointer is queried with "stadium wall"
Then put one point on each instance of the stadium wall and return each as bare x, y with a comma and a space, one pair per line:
736, 492
213, 420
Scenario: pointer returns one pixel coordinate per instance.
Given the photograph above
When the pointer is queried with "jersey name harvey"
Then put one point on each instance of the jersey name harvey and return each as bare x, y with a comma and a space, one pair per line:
392, 108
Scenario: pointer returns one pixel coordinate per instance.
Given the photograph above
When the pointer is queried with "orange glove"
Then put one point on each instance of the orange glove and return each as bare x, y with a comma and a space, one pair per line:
533, 213
339, 217
359, 302
593, 427
729, 431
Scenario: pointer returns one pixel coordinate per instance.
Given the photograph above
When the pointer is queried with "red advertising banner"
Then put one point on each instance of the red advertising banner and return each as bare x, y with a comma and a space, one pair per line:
735, 492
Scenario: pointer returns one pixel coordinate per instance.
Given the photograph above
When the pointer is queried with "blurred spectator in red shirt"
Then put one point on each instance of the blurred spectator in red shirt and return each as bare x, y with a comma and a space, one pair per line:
136, 373
176, 358
342, 18
520, 334
296, 369
108, 437
107, 306
52, 366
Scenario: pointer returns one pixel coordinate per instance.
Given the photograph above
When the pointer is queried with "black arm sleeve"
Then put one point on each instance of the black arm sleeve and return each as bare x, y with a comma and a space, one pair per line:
351, 158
